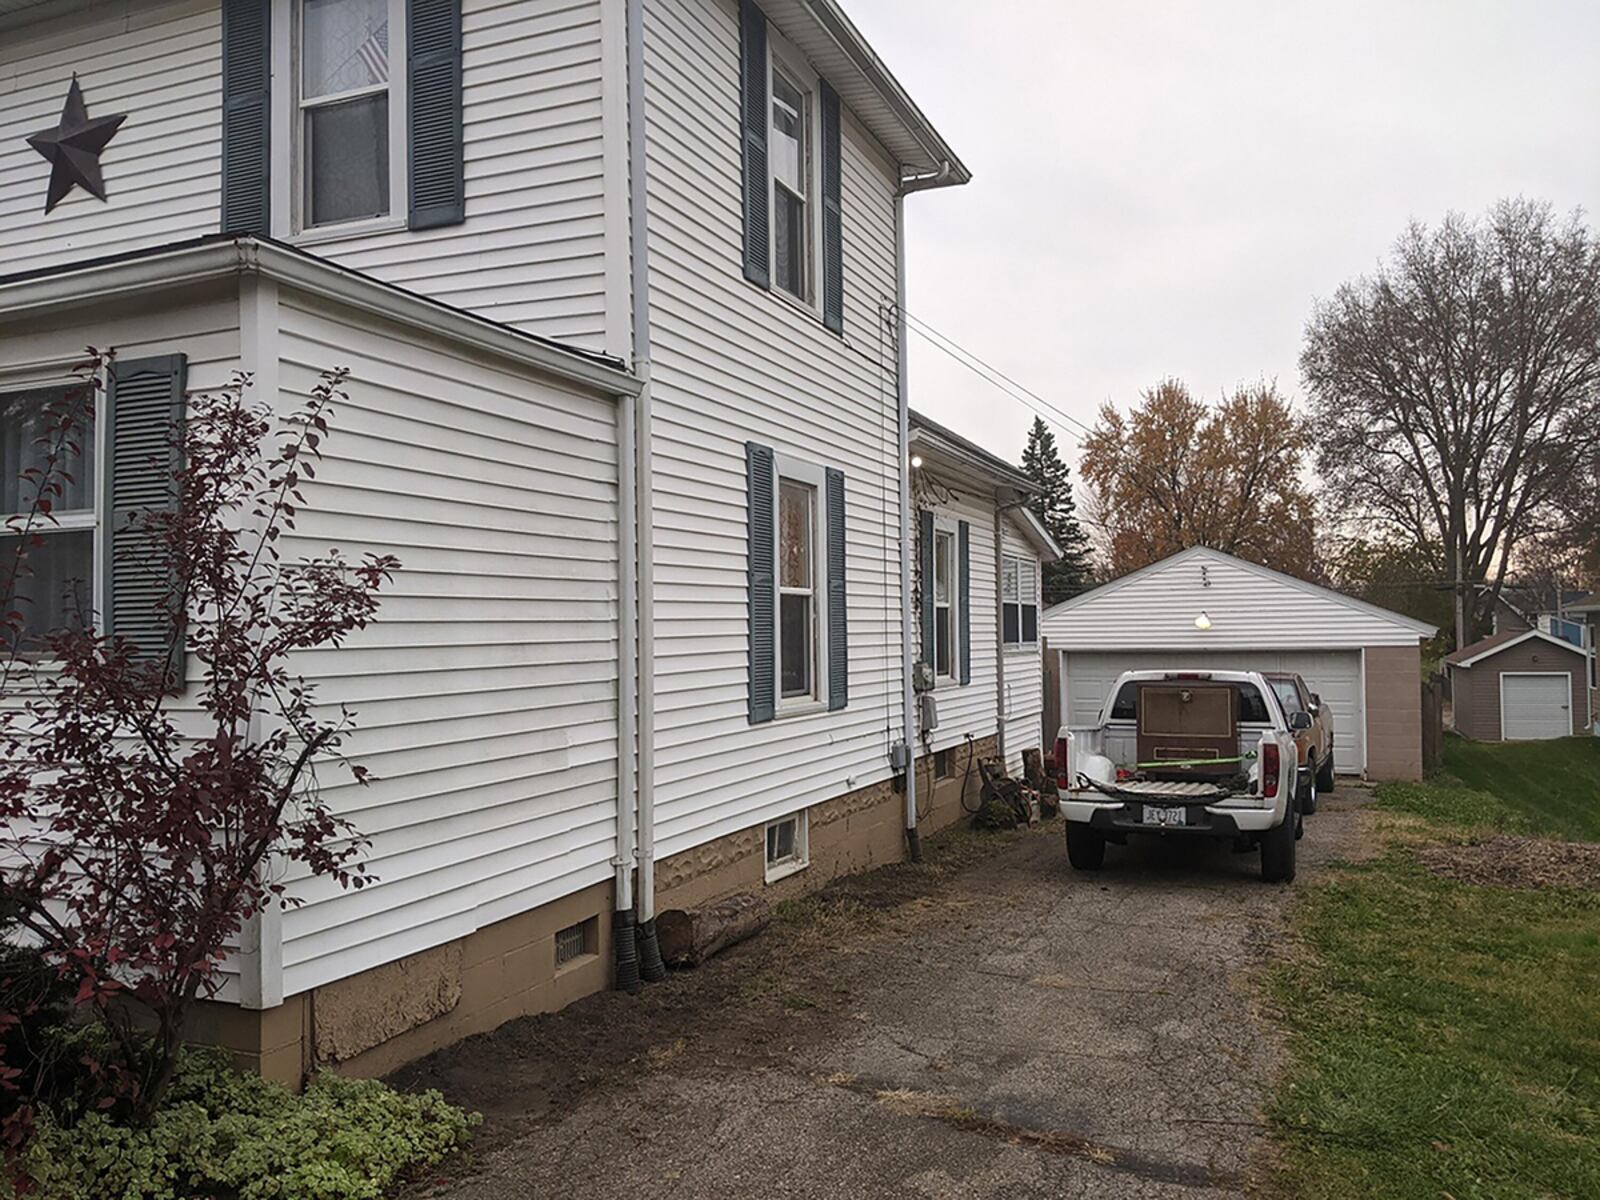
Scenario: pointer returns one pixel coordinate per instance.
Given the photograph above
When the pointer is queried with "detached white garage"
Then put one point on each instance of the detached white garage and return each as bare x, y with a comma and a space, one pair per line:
1203, 609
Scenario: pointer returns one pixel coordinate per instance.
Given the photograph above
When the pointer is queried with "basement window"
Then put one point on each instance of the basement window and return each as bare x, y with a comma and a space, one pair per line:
577, 941
941, 764
788, 847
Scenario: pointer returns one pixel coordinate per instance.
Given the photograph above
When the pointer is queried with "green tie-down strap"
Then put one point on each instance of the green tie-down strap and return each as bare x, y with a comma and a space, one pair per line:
1193, 762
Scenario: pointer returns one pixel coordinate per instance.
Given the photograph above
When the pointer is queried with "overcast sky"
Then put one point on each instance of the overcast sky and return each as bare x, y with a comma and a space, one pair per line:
1162, 188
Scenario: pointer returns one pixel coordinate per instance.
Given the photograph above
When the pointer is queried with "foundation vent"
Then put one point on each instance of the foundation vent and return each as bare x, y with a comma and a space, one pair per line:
575, 941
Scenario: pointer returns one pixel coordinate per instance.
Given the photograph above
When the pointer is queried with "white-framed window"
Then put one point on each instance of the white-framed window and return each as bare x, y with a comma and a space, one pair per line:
1019, 600
791, 158
801, 557
946, 616
788, 846
59, 587
345, 133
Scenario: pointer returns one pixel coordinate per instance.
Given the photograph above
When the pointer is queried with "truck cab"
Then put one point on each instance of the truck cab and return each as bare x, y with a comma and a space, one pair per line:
1183, 754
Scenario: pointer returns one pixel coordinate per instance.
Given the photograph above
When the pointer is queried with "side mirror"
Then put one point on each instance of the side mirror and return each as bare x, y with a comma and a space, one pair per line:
1300, 721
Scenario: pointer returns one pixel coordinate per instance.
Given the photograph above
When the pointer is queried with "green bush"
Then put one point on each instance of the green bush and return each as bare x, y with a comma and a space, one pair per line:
222, 1135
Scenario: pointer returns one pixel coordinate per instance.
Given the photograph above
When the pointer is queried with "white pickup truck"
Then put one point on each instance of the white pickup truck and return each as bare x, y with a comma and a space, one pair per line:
1183, 753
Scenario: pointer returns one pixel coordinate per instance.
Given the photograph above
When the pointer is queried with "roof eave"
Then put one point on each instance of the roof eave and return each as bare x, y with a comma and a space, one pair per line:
218, 257
838, 50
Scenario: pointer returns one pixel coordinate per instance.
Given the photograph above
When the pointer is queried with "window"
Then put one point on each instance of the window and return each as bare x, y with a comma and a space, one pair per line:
1019, 601
797, 590
56, 590
351, 121
945, 650
941, 764
788, 847
790, 152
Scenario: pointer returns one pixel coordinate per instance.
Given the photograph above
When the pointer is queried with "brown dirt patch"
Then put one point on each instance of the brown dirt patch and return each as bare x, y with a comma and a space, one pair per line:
1525, 863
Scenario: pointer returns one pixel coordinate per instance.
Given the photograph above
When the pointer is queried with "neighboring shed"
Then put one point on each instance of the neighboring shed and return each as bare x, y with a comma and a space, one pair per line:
1202, 608
1520, 685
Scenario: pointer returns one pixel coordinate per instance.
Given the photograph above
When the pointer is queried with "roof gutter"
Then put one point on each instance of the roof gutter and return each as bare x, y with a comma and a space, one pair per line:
943, 177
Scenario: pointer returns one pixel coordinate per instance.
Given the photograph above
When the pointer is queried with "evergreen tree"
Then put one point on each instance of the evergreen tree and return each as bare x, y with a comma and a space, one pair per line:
1058, 512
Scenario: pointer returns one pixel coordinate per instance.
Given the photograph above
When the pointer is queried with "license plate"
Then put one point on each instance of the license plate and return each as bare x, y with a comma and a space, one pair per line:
1160, 814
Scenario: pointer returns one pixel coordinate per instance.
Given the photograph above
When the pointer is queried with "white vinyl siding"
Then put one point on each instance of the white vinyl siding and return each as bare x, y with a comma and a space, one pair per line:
161, 64
530, 253
970, 708
730, 364
485, 692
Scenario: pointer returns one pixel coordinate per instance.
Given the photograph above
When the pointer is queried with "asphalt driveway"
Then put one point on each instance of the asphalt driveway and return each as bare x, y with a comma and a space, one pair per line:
997, 1025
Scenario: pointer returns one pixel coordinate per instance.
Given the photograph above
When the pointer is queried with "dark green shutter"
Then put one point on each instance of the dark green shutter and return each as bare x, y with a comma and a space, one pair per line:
433, 74
753, 123
925, 547
247, 116
838, 647
144, 418
762, 584
832, 223
964, 597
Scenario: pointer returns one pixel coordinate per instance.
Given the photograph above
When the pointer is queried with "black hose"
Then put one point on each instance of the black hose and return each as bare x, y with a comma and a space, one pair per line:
972, 753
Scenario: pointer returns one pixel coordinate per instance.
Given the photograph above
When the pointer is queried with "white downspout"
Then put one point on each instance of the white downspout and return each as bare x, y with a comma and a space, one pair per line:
650, 964
908, 700
623, 923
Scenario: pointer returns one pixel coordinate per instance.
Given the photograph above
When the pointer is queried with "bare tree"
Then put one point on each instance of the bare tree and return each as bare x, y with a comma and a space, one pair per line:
1457, 390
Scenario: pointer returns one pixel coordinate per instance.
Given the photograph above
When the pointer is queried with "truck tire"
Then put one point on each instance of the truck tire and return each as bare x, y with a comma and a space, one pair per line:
1325, 774
1277, 851
1086, 848
1308, 789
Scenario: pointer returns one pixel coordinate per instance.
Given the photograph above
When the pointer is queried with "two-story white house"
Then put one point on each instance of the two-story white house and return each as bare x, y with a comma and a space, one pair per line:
619, 284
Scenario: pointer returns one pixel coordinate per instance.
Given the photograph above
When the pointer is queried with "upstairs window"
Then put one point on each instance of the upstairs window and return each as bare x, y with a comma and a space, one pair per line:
1019, 600
56, 590
351, 120
791, 170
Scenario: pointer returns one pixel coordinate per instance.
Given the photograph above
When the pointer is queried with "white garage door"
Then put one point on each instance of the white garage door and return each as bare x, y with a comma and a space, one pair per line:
1535, 706
1335, 675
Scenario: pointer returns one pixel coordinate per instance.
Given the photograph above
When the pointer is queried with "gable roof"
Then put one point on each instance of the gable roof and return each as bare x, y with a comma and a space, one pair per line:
1490, 646
1249, 607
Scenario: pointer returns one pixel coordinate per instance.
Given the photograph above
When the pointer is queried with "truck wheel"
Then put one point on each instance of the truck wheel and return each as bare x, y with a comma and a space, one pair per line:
1308, 789
1325, 775
1086, 848
1277, 851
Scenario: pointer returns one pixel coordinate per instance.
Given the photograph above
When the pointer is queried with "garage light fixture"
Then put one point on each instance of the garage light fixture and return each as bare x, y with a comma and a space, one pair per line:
1202, 622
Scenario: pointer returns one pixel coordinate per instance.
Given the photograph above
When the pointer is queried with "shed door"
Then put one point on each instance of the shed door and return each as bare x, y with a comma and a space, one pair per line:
1335, 675
1535, 706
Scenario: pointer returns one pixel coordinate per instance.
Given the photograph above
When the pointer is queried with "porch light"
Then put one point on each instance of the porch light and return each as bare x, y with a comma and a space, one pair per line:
1202, 622
916, 461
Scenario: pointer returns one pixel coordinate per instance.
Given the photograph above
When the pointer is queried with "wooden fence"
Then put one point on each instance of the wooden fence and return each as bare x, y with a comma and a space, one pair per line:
1432, 723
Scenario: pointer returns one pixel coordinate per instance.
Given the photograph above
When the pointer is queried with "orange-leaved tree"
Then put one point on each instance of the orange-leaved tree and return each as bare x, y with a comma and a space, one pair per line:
1176, 472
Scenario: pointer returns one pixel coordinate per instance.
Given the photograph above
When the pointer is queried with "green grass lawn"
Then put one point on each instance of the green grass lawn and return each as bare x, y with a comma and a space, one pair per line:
1549, 788
1445, 1038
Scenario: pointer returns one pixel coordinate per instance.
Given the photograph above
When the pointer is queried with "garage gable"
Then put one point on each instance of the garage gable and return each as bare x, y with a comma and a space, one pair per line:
1203, 599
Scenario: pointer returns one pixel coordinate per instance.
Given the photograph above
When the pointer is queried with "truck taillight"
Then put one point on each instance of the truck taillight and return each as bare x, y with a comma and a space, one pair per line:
1271, 765
1063, 769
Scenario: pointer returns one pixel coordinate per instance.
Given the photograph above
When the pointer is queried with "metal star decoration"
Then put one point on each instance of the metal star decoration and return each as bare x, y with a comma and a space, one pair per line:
73, 148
